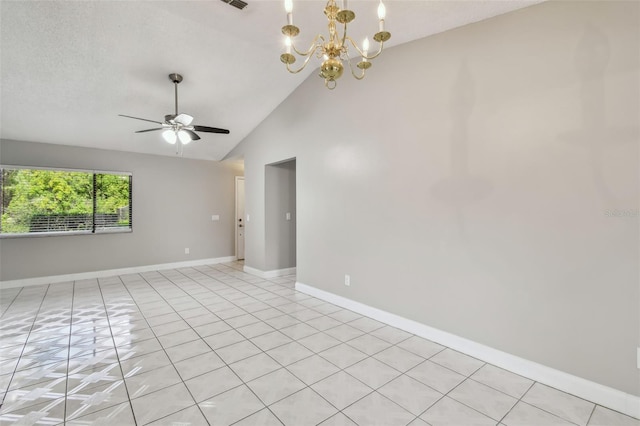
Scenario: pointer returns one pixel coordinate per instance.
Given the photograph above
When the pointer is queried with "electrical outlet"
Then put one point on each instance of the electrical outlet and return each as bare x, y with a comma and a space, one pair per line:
186, 250
347, 280
248, 218
215, 217
287, 216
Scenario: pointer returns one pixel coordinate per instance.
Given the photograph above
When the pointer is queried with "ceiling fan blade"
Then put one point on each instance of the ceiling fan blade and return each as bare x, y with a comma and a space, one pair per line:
149, 130
210, 129
138, 118
184, 119
194, 136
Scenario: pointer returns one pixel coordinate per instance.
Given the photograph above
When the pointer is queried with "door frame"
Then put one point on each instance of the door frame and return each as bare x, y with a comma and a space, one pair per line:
235, 218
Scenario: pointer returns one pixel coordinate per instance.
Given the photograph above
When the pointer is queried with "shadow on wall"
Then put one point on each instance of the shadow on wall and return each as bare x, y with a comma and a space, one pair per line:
591, 60
461, 189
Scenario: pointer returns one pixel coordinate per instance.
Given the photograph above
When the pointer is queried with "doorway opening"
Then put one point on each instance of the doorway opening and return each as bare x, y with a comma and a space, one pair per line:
280, 217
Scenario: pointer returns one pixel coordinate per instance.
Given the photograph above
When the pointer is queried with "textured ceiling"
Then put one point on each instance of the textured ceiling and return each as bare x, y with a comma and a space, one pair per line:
68, 68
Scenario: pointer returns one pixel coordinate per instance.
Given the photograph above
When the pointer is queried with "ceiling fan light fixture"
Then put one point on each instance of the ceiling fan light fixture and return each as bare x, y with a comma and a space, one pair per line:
184, 119
169, 136
184, 137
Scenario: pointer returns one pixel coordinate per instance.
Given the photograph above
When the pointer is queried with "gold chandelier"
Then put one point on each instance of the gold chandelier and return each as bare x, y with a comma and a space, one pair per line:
335, 49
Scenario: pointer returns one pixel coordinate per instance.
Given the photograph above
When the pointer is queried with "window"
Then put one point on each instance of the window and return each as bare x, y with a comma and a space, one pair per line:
36, 201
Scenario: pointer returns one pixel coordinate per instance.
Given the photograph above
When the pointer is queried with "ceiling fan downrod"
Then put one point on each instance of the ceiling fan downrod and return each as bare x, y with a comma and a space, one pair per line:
176, 78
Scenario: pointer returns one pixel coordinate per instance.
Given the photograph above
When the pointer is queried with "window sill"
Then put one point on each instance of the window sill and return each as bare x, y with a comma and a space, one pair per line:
65, 233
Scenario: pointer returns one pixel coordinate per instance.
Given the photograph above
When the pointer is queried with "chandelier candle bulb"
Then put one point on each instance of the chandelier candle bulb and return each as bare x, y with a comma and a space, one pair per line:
287, 42
382, 11
288, 6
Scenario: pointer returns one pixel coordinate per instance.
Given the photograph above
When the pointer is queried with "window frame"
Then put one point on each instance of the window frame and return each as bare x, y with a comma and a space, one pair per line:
93, 230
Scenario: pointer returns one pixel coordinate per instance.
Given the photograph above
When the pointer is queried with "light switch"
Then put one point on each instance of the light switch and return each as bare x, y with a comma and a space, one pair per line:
215, 217
288, 216
248, 218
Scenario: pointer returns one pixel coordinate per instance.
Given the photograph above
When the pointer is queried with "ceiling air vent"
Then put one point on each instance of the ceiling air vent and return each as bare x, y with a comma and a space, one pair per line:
236, 3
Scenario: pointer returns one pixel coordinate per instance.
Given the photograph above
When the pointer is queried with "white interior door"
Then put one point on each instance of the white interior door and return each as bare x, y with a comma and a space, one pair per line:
240, 225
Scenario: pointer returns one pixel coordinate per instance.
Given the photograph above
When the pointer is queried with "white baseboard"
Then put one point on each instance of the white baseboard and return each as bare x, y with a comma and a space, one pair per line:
269, 274
591, 391
111, 272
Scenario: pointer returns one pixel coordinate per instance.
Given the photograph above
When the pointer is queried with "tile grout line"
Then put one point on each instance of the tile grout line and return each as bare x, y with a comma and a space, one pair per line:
518, 401
12, 301
35, 317
454, 388
66, 386
592, 413
116, 350
23, 345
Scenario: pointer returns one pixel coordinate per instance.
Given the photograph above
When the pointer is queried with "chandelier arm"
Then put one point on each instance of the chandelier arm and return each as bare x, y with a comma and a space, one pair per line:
357, 77
344, 35
314, 46
355, 45
304, 64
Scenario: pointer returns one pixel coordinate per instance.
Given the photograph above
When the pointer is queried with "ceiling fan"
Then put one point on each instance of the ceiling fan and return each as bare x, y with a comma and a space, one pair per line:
178, 127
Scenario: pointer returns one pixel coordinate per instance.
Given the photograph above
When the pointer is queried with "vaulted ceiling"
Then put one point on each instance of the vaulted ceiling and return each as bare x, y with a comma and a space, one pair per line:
68, 68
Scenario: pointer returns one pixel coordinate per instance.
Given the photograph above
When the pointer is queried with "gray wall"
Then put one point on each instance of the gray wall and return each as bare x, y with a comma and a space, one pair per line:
280, 199
173, 200
468, 183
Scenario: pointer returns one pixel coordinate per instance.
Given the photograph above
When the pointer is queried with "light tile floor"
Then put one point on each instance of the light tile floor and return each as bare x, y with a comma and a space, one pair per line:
214, 345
